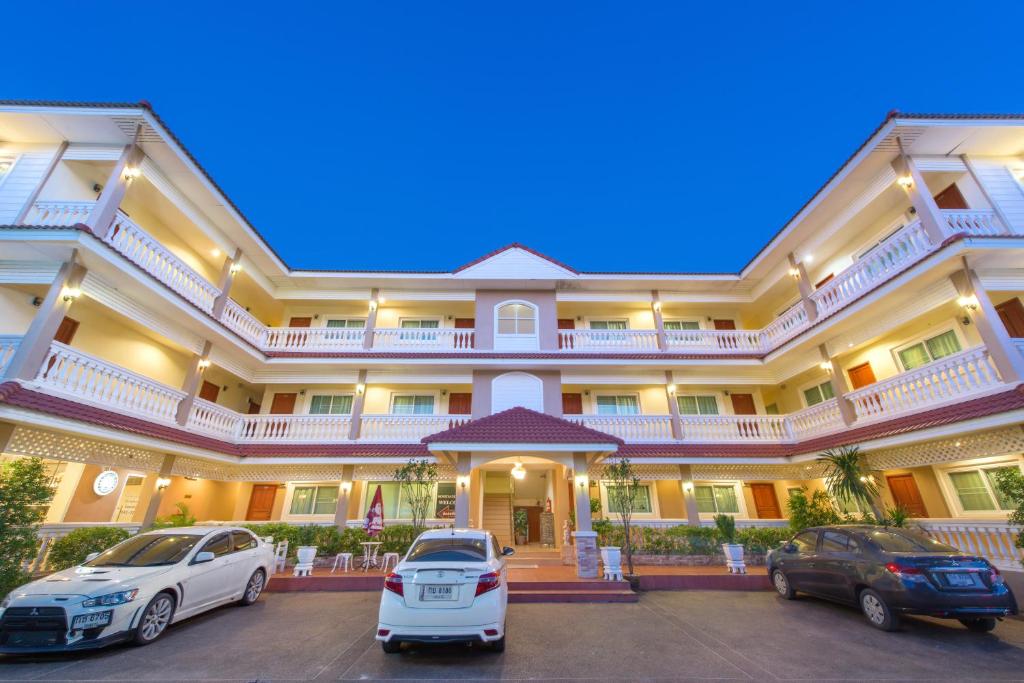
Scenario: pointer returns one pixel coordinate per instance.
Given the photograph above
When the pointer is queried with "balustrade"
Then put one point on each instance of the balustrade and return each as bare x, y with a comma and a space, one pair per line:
9, 344
59, 213
638, 428
406, 428
608, 340
993, 540
974, 222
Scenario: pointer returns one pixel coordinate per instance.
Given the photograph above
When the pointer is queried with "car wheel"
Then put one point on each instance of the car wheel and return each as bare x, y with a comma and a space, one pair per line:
877, 612
982, 625
253, 589
155, 619
781, 584
391, 647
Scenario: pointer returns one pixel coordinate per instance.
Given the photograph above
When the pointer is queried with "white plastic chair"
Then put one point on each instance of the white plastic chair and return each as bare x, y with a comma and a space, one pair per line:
280, 556
389, 557
342, 560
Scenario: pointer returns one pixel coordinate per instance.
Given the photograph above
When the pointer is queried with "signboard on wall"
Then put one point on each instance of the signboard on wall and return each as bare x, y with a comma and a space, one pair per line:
445, 507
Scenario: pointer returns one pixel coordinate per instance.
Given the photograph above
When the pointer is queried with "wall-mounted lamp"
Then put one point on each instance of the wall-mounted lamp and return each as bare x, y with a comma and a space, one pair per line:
131, 173
826, 366
671, 389
71, 293
656, 306
687, 486
360, 389
215, 252
381, 300
235, 268
37, 301
905, 181
444, 392
463, 481
970, 301
162, 483
373, 305
346, 487
581, 481
203, 364
302, 392
794, 273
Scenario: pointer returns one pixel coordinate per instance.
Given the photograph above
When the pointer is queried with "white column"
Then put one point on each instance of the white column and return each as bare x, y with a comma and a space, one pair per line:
358, 402
837, 378
125, 171
371, 318
30, 202
344, 495
581, 491
689, 496
227, 276
659, 320
193, 378
920, 197
462, 490
804, 285
158, 491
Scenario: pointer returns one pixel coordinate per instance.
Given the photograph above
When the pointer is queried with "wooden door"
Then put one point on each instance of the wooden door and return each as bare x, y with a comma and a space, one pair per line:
566, 324
465, 323
951, 198
572, 404
725, 324
209, 391
1012, 314
283, 404
300, 322
254, 408
533, 524
861, 376
66, 330
906, 494
743, 404
765, 501
261, 502
819, 283
460, 403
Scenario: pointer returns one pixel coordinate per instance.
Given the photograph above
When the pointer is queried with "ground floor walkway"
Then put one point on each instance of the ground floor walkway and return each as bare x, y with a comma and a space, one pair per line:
666, 636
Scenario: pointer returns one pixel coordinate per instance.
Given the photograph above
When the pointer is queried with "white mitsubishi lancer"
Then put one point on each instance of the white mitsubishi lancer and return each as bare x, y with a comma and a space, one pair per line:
452, 586
134, 590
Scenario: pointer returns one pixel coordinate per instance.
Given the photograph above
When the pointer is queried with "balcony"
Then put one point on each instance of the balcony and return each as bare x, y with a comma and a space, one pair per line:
8, 347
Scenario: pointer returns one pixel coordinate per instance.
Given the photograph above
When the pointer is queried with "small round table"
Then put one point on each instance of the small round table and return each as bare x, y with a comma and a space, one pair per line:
370, 549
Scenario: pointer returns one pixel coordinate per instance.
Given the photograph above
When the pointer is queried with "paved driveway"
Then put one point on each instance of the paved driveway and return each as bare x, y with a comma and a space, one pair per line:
667, 636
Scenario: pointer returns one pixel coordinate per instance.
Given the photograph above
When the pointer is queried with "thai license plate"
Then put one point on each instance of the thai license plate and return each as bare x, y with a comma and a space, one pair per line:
84, 621
431, 593
961, 580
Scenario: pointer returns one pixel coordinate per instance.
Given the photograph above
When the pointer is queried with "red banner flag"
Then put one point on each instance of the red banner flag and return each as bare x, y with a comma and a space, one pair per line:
375, 515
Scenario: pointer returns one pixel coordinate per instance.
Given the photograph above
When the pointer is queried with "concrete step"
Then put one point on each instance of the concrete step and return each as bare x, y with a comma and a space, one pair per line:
541, 596
589, 586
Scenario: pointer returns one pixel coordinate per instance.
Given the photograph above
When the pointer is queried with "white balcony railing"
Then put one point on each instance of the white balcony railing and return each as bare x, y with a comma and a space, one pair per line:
785, 326
313, 339
993, 540
8, 347
975, 222
59, 213
214, 420
294, 428
406, 428
715, 341
819, 419
608, 340
245, 324
78, 375
637, 428
425, 339
954, 377
728, 428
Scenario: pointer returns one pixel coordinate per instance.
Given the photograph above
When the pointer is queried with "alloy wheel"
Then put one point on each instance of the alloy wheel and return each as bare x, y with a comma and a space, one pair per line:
873, 609
781, 585
255, 587
156, 618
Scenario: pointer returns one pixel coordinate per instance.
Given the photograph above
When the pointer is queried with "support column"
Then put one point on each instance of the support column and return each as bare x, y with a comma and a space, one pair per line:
35, 345
837, 378
30, 202
920, 197
197, 366
158, 491
357, 406
978, 306
689, 496
125, 171
344, 494
462, 490
586, 538
659, 320
803, 283
227, 276
673, 406
371, 318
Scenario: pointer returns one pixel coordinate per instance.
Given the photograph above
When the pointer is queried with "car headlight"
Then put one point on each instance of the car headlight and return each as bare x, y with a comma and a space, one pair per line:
118, 598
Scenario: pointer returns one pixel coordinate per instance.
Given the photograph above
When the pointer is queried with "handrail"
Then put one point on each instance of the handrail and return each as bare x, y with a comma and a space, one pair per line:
404, 428
638, 428
975, 222
604, 340
59, 213
432, 338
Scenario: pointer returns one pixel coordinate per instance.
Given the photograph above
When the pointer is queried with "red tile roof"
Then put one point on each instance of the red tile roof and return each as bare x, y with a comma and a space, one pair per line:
521, 425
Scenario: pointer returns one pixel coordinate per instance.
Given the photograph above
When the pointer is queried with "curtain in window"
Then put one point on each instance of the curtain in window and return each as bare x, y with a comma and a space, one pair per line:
608, 324
302, 500
516, 319
642, 501
326, 500
330, 405
390, 492
946, 344
682, 325
971, 491
349, 324
697, 405
813, 396
725, 499
412, 405
705, 498
618, 405
826, 391
914, 356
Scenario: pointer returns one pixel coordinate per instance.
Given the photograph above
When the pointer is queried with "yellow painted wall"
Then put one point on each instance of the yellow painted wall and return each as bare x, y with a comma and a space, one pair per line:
653, 399
670, 499
177, 238
73, 181
638, 316
16, 310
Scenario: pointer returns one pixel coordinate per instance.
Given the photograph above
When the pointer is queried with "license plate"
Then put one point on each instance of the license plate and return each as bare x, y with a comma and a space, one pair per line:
84, 621
961, 580
431, 593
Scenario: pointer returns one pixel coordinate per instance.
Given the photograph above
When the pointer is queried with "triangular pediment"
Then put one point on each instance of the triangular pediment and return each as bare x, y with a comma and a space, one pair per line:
515, 262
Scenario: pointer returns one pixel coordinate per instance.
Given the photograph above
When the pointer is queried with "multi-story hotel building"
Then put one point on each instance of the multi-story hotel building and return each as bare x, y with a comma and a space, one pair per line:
156, 350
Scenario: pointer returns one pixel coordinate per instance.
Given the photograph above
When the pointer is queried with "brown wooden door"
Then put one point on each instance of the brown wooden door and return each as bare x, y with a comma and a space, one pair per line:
951, 198
254, 408
906, 494
261, 502
765, 501
725, 324
209, 391
1012, 314
460, 403
572, 404
566, 324
743, 404
465, 323
819, 283
300, 322
861, 375
66, 330
283, 404
533, 524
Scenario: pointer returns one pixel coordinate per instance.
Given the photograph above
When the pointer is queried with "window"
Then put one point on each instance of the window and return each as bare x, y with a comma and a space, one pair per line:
682, 325
771, 409
609, 325
931, 349
330, 405
793, 490
395, 506
716, 499
452, 549
893, 541
697, 405
419, 324
517, 319
347, 323
218, 545
618, 405
243, 540
806, 541
818, 394
848, 506
836, 542
977, 491
412, 405
314, 500
642, 503
147, 550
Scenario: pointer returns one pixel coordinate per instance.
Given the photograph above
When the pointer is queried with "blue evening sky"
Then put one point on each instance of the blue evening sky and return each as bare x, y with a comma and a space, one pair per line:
612, 136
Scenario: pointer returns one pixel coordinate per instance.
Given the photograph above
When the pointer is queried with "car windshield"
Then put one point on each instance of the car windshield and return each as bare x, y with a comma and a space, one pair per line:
907, 542
147, 550
453, 549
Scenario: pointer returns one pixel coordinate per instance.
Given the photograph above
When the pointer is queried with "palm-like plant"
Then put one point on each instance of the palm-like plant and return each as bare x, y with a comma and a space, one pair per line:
846, 478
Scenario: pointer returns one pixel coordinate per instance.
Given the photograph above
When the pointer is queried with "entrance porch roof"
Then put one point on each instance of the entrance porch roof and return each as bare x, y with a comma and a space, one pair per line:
521, 429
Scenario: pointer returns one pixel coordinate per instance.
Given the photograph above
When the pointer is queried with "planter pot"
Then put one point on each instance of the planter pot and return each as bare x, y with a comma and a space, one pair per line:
734, 558
611, 558
306, 554
521, 539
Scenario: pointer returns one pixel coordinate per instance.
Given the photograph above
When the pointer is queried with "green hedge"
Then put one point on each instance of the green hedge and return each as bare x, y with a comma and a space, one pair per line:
689, 540
71, 550
329, 541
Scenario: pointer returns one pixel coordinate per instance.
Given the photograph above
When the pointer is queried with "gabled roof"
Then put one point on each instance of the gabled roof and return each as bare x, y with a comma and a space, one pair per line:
522, 425
523, 261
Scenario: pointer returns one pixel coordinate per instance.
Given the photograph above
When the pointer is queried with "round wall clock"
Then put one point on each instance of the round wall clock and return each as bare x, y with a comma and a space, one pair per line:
105, 482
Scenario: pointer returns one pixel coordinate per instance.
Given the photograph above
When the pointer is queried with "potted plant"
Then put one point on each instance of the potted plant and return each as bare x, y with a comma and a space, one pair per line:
726, 526
520, 521
306, 554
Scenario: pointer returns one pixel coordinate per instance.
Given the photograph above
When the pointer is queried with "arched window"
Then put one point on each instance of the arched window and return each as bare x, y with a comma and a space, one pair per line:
514, 389
517, 319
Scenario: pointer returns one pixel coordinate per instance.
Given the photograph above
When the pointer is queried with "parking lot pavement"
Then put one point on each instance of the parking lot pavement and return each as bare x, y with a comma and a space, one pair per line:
666, 636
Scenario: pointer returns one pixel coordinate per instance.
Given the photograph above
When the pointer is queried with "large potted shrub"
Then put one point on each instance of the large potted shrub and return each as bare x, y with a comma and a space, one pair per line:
521, 523
726, 527
73, 549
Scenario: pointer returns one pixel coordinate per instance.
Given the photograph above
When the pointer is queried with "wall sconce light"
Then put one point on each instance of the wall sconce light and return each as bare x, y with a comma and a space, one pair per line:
581, 481
302, 392
235, 268
215, 252
381, 299
970, 301
444, 392
346, 487
518, 471
687, 486
72, 293
360, 389
826, 366
656, 306
671, 389
463, 481
203, 364
373, 305
905, 181
162, 483
131, 173
794, 273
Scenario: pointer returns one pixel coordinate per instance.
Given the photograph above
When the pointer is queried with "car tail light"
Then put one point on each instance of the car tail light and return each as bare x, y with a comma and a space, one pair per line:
490, 631
383, 632
905, 571
393, 583
995, 576
487, 582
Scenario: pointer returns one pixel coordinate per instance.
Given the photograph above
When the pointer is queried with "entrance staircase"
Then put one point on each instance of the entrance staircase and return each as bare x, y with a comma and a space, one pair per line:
498, 516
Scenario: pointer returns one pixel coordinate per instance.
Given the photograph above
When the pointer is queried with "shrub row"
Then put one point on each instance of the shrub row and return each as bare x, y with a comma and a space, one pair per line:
689, 540
329, 540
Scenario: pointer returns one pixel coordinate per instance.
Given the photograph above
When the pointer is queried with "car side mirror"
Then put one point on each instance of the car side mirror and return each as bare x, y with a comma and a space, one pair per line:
91, 556
789, 548
506, 551
205, 556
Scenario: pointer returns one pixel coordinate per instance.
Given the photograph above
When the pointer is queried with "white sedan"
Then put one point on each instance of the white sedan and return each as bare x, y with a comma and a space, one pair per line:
134, 590
451, 587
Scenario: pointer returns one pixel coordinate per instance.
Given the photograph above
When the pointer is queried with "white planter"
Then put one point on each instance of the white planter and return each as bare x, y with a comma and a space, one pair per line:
306, 554
611, 558
734, 558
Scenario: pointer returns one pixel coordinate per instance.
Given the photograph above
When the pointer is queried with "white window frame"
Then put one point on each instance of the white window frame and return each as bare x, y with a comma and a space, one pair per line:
123, 484
920, 339
606, 508
309, 400
594, 395
517, 341
435, 394
881, 236
590, 320
289, 493
421, 318
368, 491
741, 502
948, 490
346, 318
718, 396
701, 325
808, 385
